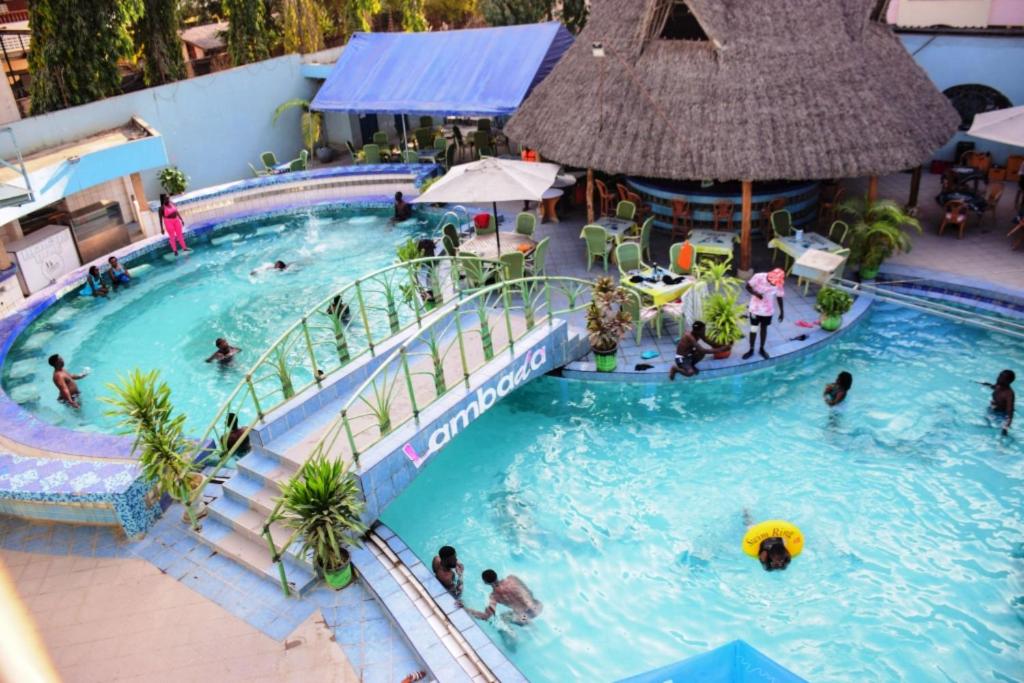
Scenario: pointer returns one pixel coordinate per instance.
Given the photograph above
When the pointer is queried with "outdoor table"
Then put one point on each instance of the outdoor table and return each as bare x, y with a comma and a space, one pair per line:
549, 200
712, 242
795, 248
658, 292
817, 266
616, 227
486, 246
564, 180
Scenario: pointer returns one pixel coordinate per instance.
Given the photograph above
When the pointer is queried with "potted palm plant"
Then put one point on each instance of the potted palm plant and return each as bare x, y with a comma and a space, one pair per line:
142, 405
311, 124
723, 315
832, 303
714, 275
877, 232
323, 506
607, 322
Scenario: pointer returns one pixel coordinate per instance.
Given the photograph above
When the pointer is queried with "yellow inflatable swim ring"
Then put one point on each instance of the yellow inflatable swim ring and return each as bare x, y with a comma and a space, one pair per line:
791, 536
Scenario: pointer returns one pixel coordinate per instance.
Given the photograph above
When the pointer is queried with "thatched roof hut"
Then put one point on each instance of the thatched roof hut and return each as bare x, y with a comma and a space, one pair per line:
736, 89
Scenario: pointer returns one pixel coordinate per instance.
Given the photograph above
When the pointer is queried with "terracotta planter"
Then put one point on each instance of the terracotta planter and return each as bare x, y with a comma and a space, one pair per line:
606, 360
831, 323
721, 355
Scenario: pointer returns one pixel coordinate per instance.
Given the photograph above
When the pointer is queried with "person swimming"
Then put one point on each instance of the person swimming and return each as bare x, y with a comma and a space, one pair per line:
512, 593
94, 283
65, 382
773, 554
448, 570
225, 352
836, 392
276, 265
403, 211
339, 309
1003, 398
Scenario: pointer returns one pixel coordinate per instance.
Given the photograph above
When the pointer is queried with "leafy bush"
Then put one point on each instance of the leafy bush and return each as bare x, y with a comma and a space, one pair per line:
877, 230
716, 278
722, 315
833, 302
173, 180
607, 322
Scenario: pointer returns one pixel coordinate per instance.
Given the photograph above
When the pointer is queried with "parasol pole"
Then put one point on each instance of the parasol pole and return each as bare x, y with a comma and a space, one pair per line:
497, 231
405, 140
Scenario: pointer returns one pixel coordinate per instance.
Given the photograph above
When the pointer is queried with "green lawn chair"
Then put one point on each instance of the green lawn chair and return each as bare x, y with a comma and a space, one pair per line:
301, 163
782, 226
526, 223
424, 138
441, 143
258, 172
482, 144
410, 156
597, 244
515, 265
642, 315
673, 257
627, 255
269, 160
491, 228
643, 238
536, 263
626, 210
371, 154
837, 233
380, 138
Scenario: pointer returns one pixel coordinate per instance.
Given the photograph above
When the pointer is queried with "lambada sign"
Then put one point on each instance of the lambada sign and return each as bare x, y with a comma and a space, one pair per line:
479, 402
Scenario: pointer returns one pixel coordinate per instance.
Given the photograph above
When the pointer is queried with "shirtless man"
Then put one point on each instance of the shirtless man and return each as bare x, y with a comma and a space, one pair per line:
224, 353
512, 593
403, 211
1003, 397
448, 570
689, 352
65, 382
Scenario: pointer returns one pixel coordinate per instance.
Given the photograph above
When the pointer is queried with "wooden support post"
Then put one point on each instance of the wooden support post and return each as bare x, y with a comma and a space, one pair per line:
590, 195
915, 188
745, 226
872, 188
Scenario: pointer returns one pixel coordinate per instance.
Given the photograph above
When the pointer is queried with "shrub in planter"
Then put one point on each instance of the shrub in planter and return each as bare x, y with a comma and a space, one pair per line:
607, 322
832, 304
173, 180
323, 506
876, 232
723, 315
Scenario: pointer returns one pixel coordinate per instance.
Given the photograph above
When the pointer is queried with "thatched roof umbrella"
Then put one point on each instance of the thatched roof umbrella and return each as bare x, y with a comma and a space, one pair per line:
736, 90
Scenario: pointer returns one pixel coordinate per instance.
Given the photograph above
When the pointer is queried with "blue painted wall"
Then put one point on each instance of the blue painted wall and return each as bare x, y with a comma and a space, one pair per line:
995, 61
212, 125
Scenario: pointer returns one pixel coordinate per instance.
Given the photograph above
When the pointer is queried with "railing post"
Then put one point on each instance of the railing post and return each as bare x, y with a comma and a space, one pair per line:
366, 319
348, 433
507, 300
408, 385
462, 345
312, 356
277, 560
485, 328
255, 399
547, 293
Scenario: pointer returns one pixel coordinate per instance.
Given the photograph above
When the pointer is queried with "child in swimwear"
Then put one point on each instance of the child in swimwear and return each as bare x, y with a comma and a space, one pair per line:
836, 392
94, 283
1003, 397
118, 274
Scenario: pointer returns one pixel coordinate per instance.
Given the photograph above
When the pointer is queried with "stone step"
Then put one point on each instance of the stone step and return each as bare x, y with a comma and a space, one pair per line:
254, 556
249, 523
253, 492
267, 466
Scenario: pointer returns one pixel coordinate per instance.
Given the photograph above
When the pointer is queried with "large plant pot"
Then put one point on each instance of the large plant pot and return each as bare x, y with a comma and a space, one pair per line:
831, 323
340, 578
868, 273
324, 154
197, 509
606, 360
721, 355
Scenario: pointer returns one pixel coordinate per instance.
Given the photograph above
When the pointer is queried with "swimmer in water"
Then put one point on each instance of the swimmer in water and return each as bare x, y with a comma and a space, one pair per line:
836, 392
118, 274
448, 570
403, 211
225, 352
276, 265
772, 553
512, 593
1003, 397
65, 382
339, 309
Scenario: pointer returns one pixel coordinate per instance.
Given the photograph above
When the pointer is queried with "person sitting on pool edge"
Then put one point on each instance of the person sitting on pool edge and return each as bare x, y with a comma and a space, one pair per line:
764, 289
403, 211
1003, 397
94, 283
836, 391
118, 274
224, 353
689, 351
65, 382
448, 570
512, 593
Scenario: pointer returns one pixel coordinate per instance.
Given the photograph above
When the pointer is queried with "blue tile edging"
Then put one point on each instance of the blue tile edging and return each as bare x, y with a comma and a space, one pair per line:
941, 285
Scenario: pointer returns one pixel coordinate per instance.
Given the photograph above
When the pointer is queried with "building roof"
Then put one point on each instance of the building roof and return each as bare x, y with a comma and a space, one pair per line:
208, 37
803, 89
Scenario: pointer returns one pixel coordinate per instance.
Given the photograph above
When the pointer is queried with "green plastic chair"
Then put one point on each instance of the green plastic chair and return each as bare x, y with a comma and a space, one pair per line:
441, 144
482, 144
269, 160
626, 210
643, 316
491, 227
838, 227
410, 156
537, 263
526, 223
628, 256
258, 172
451, 231
371, 154
473, 268
673, 257
424, 137
380, 138
782, 226
515, 265
597, 245
451, 247
643, 238
301, 163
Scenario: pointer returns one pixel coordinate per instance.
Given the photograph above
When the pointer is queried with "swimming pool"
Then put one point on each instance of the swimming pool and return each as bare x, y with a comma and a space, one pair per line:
621, 507
171, 314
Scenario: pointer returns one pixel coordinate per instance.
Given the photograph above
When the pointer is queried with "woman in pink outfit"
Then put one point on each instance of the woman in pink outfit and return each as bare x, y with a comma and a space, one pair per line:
170, 221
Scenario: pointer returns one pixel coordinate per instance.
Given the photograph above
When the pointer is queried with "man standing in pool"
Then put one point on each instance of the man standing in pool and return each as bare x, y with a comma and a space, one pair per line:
65, 382
403, 211
512, 593
1003, 397
225, 352
765, 289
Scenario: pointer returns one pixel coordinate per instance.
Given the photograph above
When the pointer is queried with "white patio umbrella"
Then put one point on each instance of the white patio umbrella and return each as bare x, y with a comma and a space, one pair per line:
492, 180
1002, 125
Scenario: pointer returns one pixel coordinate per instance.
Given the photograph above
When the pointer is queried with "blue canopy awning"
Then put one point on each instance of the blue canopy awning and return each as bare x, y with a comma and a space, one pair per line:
735, 662
480, 72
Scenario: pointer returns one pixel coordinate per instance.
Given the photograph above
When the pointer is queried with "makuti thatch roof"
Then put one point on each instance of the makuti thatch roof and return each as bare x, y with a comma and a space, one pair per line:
781, 89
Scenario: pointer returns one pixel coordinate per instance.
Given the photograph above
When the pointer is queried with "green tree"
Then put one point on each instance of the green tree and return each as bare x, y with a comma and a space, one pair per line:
76, 47
574, 15
157, 35
248, 35
449, 13
349, 16
301, 26
511, 12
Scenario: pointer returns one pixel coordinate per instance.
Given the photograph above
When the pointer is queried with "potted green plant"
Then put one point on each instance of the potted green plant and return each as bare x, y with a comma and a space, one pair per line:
311, 123
832, 303
142, 405
607, 322
323, 507
723, 315
173, 180
877, 232
714, 275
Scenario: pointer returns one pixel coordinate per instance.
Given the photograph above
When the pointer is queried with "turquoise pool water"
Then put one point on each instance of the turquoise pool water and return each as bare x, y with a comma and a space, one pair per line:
621, 507
169, 317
